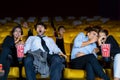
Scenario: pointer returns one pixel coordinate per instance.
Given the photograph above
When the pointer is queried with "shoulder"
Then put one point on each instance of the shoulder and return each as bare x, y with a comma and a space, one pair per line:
110, 37
8, 37
32, 38
81, 34
48, 38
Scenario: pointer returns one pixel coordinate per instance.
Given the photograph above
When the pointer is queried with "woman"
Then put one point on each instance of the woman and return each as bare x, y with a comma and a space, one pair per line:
84, 54
104, 38
9, 54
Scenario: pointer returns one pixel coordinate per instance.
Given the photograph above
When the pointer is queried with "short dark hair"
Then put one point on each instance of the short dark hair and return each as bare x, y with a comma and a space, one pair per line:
60, 27
14, 28
93, 28
40, 23
104, 31
97, 27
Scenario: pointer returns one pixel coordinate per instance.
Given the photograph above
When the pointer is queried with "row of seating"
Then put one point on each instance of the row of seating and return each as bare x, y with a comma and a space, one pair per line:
67, 73
70, 34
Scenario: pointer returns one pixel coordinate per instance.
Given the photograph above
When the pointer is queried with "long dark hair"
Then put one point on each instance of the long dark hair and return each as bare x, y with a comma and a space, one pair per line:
14, 28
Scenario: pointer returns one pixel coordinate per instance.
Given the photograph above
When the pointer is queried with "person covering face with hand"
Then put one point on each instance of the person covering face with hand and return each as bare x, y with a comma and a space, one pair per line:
105, 38
84, 55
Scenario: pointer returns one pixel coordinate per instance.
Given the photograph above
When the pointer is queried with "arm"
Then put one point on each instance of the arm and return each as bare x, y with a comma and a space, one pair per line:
28, 43
93, 40
85, 43
55, 48
79, 40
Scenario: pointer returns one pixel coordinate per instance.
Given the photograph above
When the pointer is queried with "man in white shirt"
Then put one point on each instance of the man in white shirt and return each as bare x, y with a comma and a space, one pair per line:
55, 56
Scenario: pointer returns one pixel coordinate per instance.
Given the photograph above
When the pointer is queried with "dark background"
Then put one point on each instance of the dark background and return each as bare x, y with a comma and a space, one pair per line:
105, 8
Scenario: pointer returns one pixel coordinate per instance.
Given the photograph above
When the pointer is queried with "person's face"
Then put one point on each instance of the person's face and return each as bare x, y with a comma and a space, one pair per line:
102, 35
25, 24
92, 35
61, 31
40, 29
17, 33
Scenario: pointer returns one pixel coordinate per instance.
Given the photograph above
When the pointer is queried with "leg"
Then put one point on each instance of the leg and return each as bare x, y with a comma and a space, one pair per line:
116, 67
97, 67
6, 68
82, 63
5, 61
90, 72
56, 67
29, 68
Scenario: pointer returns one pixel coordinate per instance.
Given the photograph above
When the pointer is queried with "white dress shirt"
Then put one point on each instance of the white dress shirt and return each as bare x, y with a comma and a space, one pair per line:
34, 43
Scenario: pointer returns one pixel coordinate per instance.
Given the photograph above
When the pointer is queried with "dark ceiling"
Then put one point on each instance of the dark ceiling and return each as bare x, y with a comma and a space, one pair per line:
106, 8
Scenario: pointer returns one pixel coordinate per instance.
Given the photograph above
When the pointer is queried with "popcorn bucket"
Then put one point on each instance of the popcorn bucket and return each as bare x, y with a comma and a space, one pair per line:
105, 48
1, 66
2, 72
20, 50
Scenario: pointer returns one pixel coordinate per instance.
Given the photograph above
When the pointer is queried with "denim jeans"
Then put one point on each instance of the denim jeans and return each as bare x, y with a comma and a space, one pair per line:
91, 65
55, 63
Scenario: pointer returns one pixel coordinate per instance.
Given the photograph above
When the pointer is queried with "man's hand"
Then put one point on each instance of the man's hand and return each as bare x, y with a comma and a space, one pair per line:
63, 55
94, 39
96, 50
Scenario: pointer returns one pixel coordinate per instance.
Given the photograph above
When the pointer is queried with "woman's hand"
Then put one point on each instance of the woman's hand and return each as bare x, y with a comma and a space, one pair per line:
18, 39
101, 40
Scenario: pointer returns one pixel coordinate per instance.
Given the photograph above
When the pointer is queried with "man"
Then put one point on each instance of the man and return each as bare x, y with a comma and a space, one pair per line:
84, 54
55, 57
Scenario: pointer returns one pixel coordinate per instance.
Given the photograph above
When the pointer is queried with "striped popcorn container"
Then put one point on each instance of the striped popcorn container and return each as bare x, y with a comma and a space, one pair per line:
20, 50
105, 48
1, 67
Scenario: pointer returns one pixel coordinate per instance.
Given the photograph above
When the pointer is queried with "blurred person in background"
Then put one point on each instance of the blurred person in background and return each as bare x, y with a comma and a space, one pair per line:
27, 30
59, 38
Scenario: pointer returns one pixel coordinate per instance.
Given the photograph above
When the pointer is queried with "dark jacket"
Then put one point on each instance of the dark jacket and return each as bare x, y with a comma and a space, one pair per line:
114, 45
60, 44
8, 48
